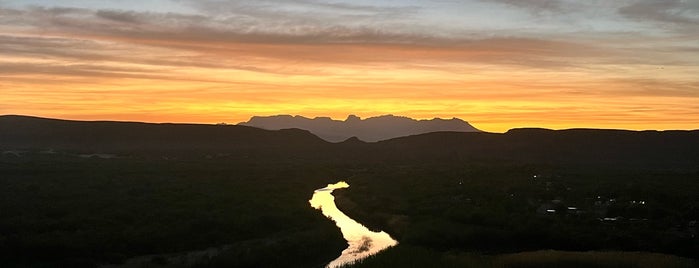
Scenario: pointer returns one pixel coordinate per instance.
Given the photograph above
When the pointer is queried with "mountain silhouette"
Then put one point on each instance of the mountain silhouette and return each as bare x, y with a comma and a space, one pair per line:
371, 129
31, 133
23, 135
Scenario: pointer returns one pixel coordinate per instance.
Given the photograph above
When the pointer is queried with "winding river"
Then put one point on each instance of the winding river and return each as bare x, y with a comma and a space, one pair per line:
362, 241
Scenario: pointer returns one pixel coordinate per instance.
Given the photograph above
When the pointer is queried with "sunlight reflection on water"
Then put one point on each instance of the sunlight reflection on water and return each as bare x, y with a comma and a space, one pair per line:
362, 242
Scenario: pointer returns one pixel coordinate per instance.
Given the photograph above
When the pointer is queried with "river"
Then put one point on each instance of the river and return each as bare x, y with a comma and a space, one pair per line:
362, 241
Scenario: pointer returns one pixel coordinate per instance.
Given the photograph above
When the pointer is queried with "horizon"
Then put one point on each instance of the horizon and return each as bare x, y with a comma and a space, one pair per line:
497, 64
241, 123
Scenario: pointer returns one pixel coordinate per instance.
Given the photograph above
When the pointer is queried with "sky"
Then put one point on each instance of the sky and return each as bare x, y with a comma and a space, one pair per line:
499, 64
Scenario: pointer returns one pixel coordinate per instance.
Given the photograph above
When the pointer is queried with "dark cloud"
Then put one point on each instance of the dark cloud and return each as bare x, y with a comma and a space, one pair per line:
93, 70
79, 70
52, 47
120, 16
77, 50
304, 16
297, 8
678, 12
231, 34
657, 87
197, 27
536, 6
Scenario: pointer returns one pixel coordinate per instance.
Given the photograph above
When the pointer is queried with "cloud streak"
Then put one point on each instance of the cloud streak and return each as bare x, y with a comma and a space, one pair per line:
676, 12
537, 6
241, 38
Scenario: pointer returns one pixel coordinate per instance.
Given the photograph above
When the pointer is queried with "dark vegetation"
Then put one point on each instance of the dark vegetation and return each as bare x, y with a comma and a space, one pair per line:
79, 194
419, 257
68, 211
438, 209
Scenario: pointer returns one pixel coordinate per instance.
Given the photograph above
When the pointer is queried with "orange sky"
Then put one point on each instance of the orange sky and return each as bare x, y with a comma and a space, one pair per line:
193, 64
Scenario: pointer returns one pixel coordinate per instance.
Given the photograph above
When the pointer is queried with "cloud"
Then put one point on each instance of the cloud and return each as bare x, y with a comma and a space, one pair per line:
39, 47
195, 27
130, 17
683, 13
92, 35
286, 9
657, 87
261, 36
79, 70
537, 6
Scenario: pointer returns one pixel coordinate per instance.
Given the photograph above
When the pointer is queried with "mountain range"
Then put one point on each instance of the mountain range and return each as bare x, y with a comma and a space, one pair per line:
371, 129
23, 135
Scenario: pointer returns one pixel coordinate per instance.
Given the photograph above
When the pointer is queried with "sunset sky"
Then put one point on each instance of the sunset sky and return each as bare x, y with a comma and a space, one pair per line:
498, 64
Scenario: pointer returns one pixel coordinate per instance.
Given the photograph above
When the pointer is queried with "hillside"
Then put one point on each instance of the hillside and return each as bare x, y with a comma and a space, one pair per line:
32, 133
573, 146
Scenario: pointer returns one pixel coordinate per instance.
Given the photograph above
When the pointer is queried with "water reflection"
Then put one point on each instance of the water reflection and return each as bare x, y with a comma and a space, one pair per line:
362, 242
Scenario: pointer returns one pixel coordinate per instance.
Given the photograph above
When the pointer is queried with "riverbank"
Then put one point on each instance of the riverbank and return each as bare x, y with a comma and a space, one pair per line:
362, 242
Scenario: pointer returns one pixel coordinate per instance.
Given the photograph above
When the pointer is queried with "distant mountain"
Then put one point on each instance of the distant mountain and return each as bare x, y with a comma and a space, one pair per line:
371, 129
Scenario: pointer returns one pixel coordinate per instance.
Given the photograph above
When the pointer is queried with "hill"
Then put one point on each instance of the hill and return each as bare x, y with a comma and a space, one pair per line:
673, 149
33, 133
